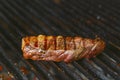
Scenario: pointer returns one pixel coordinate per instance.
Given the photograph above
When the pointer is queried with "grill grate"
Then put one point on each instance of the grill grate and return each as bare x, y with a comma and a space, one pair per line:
86, 18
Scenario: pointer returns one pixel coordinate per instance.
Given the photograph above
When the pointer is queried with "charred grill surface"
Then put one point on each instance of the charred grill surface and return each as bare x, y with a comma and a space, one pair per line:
85, 18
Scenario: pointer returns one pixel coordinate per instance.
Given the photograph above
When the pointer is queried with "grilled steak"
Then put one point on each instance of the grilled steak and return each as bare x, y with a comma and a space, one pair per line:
59, 48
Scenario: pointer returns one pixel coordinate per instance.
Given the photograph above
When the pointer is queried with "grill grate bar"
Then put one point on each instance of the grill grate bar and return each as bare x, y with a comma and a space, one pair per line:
109, 29
110, 62
84, 33
40, 17
53, 69
69, 71
94, 70
107, 18
17, 74
113, 55
57, 21
64, 21
98, 11
4, 19
5, 73
41, 68
106, 69
106, 23
81, 69
114, 49
24, 14
110, 7
98, 28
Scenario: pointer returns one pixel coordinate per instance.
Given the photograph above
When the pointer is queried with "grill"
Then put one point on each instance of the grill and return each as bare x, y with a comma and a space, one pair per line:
86, 18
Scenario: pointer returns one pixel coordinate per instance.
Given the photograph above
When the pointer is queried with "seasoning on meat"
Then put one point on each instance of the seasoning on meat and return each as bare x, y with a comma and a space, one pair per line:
59, 48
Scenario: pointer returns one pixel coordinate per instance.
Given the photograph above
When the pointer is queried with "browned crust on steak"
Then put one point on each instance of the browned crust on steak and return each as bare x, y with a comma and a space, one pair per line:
59, 48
